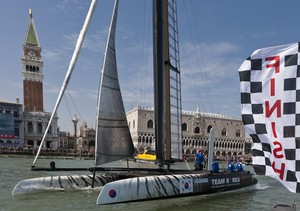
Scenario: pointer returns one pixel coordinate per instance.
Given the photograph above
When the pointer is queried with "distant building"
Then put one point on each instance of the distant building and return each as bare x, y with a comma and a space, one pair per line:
248, 145
11, 124
86, 139
64, 140
229, 132
35, 118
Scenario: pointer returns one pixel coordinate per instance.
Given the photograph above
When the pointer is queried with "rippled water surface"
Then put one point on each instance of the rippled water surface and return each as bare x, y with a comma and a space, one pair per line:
262, 196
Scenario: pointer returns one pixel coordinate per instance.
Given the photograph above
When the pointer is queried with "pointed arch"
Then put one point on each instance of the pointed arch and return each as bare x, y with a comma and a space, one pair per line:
150, 123
184, 127
208, 128
238, 133
224, 132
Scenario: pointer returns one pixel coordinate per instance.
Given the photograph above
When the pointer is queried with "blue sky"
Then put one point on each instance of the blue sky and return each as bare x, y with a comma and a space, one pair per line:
215, 38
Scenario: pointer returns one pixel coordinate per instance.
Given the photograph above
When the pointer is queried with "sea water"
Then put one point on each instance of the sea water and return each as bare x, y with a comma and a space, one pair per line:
262, 196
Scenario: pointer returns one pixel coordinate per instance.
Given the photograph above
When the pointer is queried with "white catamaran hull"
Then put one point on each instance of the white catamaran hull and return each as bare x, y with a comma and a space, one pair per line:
54, 183
166, 186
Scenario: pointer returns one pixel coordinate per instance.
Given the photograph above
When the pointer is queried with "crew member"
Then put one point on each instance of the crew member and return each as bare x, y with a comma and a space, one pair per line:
52, 165
239, 167
199, 160
231, 167
215, 166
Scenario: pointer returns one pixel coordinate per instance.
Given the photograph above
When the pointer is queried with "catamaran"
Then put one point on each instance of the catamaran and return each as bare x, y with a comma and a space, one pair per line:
113, 139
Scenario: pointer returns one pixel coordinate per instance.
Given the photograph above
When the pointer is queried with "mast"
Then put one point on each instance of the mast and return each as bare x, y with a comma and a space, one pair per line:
158, 65
167, 84
172, 83
69, 73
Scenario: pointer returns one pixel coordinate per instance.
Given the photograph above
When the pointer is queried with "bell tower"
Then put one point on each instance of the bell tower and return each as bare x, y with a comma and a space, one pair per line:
32, 71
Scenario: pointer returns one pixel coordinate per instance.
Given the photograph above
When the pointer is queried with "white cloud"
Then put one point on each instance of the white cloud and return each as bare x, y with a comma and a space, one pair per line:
92, 41
210, 77
260, 34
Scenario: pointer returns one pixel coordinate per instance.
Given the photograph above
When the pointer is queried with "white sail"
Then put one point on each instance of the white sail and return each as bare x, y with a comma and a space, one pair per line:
113, 139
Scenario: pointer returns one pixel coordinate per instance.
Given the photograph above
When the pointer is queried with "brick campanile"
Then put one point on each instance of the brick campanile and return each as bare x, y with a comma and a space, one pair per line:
32, 71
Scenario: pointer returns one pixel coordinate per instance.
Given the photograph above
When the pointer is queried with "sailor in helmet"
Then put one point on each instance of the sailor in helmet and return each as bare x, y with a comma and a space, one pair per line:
199, 160
231, 166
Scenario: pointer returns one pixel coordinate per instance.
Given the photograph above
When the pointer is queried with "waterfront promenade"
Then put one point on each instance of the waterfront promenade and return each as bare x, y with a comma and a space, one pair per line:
49, 153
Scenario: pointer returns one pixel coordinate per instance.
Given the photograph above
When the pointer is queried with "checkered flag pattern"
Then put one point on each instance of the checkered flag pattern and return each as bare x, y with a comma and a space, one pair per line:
270, 107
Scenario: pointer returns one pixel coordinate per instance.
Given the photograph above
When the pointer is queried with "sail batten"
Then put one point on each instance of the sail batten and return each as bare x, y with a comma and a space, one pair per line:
113, 139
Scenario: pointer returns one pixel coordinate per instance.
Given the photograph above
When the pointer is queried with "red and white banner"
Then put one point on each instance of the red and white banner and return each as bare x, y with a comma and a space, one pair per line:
270, 105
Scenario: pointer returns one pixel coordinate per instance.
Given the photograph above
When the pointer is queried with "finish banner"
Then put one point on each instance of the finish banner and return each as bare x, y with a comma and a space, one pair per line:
270, 107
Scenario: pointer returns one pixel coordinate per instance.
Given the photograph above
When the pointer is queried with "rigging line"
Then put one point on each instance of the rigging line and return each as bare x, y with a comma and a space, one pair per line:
203, 60
197, 57
67, 104
190, 68
145, 58
74, 105
148, 47
147, 52
142, 97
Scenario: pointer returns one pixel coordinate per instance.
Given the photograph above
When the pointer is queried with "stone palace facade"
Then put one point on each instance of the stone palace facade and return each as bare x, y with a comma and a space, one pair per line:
229, 132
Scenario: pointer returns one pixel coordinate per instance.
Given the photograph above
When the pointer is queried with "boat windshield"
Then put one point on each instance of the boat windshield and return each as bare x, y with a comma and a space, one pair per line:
150, 152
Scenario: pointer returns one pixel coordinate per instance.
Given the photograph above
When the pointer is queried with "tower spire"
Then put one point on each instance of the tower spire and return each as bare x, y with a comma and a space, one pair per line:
31, 37
30, 13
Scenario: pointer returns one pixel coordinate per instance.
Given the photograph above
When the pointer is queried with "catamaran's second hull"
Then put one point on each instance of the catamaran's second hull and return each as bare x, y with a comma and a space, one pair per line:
167, 186
56, 183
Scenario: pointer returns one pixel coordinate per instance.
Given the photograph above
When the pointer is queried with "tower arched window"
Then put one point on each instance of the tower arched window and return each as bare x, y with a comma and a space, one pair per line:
197, 130
37, 69
184, 127
150, 124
